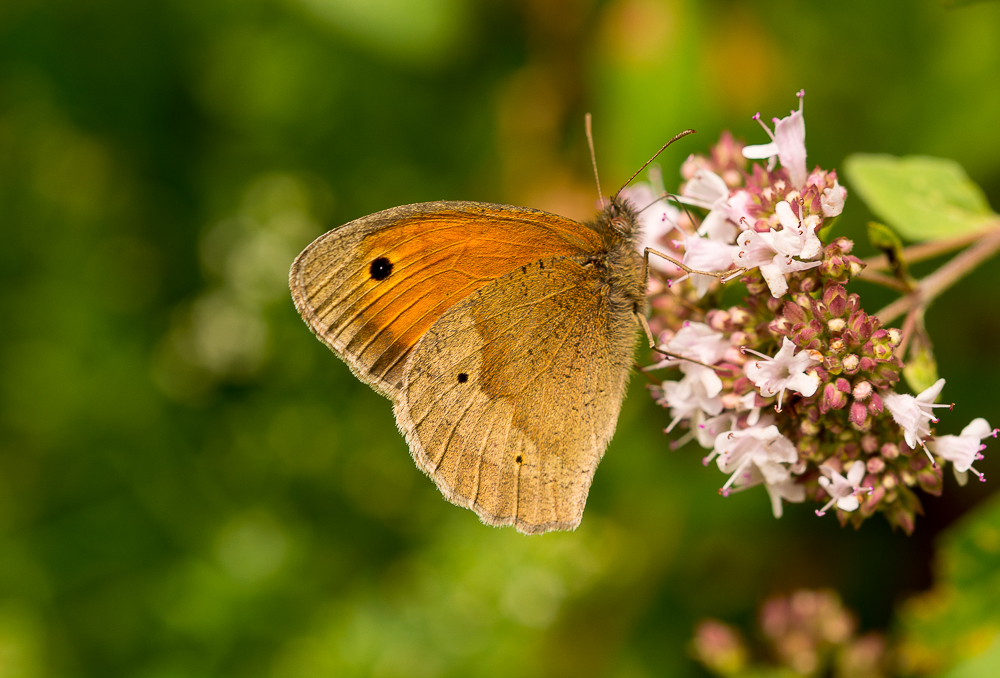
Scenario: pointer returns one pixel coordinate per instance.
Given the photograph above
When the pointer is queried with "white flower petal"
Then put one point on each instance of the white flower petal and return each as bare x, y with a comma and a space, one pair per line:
761, 151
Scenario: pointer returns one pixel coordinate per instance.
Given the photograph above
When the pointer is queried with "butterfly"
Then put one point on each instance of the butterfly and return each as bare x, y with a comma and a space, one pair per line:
504, 336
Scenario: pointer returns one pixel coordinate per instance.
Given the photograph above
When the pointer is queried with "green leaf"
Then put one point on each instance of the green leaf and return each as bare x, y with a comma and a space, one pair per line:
884, 238
922, 198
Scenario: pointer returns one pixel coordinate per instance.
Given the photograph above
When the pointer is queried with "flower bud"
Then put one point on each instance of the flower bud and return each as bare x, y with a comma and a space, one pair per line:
719, 320
858, 415
930, 480
742, 339
739, 315
871, 501
808, 427
890, 451
794, 313
834, 267
835, 299
862, 390
875, 405
836, 325
833, 398
889, 481
875, 465
809, 282
869, 443
853, 303
851, 363
780, 326
804, 334
843, 244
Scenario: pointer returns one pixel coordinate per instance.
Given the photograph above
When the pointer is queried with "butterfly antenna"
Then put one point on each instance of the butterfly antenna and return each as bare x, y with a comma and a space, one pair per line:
593, 156
645, 164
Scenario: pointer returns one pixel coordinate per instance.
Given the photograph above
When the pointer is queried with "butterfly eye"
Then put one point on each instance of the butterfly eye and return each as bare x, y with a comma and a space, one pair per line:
619, 225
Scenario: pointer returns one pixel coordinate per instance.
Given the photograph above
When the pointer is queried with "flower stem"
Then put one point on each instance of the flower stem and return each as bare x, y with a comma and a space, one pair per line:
929, 288
926, 250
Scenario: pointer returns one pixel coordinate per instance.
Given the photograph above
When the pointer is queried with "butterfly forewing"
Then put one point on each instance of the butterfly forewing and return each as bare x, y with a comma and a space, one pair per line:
372, 288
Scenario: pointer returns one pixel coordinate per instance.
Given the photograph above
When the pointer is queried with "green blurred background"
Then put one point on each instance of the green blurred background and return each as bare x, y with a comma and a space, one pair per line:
192, 485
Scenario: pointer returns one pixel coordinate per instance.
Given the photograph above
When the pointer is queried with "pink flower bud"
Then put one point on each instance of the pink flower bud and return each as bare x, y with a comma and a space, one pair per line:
794, 313
833, 398
718, 320
875, 405
780, 326
869, 443
890, 451
862, 390
739, 315
853, 303
843, 244
851, 363
858, 414
835, 298
836, 325
875, 465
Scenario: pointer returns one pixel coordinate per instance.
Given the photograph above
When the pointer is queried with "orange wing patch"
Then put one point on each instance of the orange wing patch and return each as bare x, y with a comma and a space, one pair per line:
372, 288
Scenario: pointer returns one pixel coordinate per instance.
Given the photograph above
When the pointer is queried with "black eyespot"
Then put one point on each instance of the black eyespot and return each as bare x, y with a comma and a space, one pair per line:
462, 377
518, 459
380, 269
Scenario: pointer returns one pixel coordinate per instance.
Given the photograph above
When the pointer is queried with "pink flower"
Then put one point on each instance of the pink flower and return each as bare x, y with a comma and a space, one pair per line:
785, 371
788, 143
773, 255
833, 199
657, 218
964, 449
797, 237
708, 190
843, 491
762, 447
914, 414
705, 254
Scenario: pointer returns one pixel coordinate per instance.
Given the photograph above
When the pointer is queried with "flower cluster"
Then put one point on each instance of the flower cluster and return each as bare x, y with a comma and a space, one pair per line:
795, 387
806, 633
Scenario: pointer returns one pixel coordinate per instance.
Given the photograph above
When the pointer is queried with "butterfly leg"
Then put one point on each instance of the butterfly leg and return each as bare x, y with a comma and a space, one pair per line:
652, 343
724, 276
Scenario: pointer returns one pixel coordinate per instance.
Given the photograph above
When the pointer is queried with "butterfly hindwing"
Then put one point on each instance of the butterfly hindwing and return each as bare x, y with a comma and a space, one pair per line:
512, 396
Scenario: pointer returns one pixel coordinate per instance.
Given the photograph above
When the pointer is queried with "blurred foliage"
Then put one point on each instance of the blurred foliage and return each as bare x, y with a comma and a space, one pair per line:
958, 620
192, 485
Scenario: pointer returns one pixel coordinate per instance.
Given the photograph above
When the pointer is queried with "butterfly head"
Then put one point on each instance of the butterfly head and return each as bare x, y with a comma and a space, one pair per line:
620, 218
